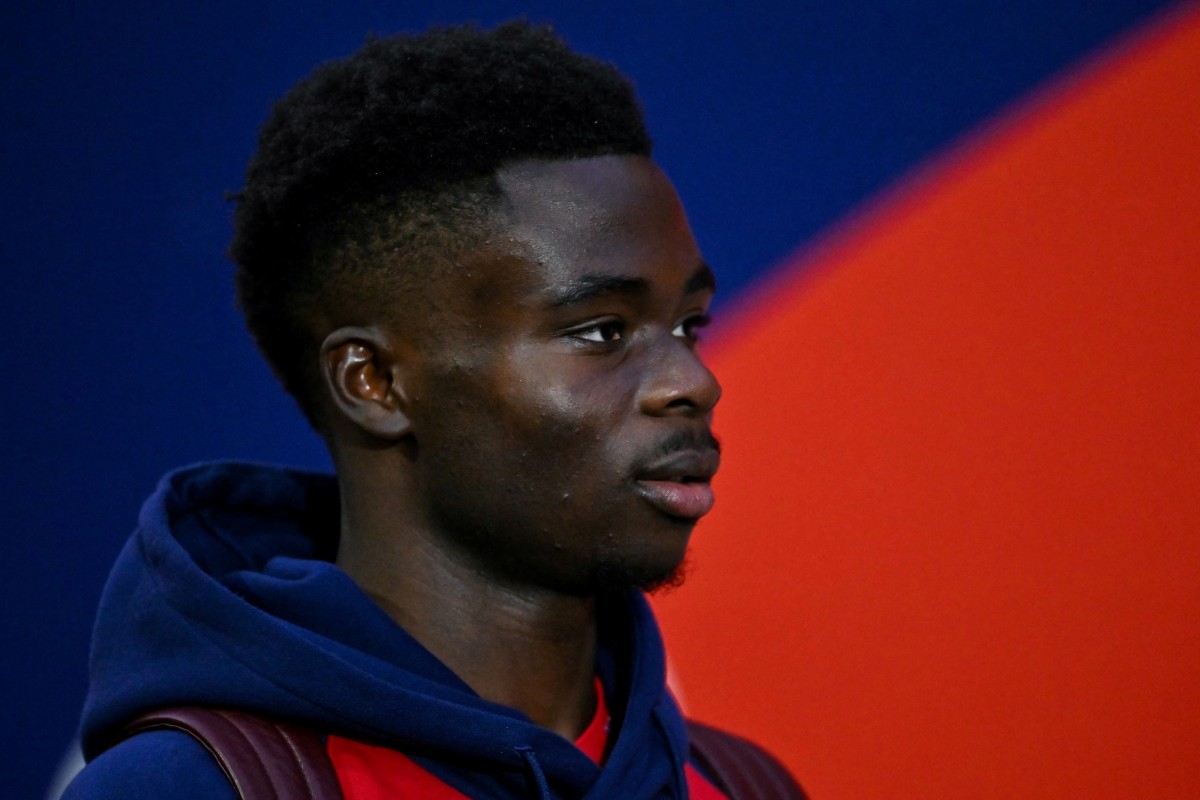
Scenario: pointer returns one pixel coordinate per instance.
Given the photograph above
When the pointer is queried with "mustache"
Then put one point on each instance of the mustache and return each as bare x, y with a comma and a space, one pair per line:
681, 441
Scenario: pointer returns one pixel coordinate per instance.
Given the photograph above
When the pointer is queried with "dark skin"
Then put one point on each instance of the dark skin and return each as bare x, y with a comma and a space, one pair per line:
540, 435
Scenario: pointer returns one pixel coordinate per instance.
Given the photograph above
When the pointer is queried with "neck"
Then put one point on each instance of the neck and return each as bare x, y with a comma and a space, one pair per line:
530, 649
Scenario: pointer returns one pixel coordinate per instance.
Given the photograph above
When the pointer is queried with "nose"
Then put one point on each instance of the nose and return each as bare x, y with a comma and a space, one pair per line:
677, 381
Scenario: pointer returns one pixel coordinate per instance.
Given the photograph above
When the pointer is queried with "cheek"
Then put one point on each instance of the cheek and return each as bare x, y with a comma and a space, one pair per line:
496, 435
573, 427
529, 425
559, 400
554, 437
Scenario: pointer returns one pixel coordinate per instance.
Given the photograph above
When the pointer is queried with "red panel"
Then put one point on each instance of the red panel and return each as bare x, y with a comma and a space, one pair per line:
957, 548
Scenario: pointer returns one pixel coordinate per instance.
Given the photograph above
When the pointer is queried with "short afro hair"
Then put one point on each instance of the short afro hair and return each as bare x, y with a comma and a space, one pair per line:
388, 158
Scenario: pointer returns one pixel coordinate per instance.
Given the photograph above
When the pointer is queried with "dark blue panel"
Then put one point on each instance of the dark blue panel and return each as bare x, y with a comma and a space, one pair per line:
124, 124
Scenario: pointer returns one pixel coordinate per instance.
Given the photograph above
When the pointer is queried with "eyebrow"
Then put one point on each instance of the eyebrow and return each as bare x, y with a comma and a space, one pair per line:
589, 287
702, 279
593, 285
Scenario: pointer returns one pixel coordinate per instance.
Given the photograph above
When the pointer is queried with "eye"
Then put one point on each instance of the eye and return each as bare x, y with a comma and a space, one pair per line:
690, 327
602, 332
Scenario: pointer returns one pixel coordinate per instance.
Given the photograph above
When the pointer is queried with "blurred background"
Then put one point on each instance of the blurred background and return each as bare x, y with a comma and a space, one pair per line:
957, 549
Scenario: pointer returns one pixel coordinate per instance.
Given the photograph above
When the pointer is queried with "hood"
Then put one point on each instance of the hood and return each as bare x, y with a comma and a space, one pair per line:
226, 595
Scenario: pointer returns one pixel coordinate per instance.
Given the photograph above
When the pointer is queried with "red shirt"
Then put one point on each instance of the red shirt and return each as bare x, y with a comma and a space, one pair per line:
368, 772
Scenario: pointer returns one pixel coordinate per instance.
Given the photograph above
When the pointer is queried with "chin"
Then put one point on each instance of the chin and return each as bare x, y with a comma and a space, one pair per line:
649, 578
668, 583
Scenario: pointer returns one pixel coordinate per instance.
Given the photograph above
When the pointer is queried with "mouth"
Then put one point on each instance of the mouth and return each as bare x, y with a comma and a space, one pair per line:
680, 485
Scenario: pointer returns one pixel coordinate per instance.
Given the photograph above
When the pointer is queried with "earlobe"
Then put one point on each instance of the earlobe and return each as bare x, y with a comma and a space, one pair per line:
365, 381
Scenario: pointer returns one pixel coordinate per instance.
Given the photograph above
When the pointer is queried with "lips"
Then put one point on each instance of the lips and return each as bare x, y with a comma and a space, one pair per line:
679, 485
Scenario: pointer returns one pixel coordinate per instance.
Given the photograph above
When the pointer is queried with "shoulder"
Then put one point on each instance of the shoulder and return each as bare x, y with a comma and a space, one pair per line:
741, 768
164, 765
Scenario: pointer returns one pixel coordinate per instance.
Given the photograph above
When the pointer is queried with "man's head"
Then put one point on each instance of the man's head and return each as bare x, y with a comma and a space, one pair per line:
375, 173
459, 257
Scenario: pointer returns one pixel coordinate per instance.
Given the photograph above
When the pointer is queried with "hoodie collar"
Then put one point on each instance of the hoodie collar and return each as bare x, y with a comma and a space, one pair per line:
226, 596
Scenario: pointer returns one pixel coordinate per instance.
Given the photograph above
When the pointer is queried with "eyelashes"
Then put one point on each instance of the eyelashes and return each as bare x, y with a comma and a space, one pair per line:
606, 332
612, 331
689, 327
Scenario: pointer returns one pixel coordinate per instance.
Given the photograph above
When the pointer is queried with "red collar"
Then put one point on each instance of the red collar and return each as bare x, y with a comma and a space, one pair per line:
594, 739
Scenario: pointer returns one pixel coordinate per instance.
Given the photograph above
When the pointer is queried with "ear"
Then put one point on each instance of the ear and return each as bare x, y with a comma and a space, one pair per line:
364, 378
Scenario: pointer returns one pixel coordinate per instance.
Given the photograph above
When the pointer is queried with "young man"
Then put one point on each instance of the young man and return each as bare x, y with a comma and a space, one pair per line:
457, 255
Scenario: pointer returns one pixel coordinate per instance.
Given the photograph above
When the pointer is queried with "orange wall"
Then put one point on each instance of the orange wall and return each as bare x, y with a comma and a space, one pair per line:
957, 546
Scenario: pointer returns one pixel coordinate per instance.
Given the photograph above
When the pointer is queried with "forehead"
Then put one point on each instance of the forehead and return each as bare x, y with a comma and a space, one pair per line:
605, 215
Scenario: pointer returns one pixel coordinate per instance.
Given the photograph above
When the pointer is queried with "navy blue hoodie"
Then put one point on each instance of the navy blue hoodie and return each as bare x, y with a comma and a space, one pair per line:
226, 595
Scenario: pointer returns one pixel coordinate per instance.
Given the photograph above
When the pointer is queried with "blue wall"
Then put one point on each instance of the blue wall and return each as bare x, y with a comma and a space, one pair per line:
125, 123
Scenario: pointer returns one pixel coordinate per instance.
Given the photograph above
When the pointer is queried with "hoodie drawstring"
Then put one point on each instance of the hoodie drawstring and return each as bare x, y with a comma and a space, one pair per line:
535, 769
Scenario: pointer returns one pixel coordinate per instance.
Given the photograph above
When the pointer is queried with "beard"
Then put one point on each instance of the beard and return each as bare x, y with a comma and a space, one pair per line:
620, 576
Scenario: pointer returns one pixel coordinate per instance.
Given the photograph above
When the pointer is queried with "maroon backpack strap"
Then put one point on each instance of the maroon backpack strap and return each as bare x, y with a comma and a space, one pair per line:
741, 769
264, 759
